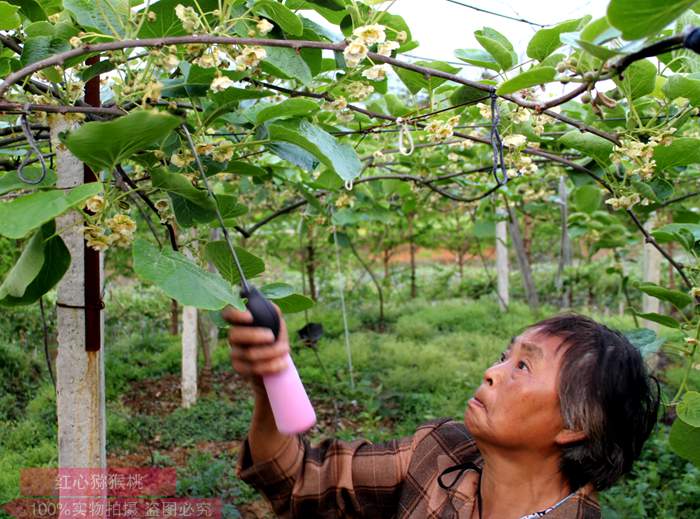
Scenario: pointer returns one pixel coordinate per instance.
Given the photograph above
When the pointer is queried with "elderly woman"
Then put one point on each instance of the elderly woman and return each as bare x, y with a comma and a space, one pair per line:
563, 414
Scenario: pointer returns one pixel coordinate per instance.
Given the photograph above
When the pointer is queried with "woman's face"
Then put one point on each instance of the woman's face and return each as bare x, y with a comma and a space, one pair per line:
516, 407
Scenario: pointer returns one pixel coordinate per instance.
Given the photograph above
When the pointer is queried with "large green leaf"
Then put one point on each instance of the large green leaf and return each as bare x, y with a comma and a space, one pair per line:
663, 320
181, 186
182, 279
639, 79
109, 17
680, 85
288, 108
416, 81
9, 19
335, 155
685, 441
639, 18
42, 264
498, 46
532, 77
189, 214
20, 216
478, 57
645, 340
102, 145
677, 298
219, 254
195, 81
546, 41
10, 181
281, 15
682, 152
688, 408
286, 63
283, 296
589, 144
587, 198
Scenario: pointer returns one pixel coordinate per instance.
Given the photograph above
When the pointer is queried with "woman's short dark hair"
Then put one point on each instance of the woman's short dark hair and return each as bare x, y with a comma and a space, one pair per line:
606, 392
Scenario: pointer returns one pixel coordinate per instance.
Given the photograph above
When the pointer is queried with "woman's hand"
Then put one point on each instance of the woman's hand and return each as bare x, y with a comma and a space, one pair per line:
254, 351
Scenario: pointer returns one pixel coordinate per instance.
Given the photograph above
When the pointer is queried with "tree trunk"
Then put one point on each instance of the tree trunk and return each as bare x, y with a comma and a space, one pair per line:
523, 263
527, 236
377, 285
412, 252
386, 255
174, 318
564, 246
80, 397
502, 268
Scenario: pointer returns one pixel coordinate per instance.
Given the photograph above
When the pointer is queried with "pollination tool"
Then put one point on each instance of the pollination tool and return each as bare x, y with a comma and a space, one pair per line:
290, 404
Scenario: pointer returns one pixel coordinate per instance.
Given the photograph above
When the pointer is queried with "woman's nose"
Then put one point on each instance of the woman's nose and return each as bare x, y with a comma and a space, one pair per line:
493, 374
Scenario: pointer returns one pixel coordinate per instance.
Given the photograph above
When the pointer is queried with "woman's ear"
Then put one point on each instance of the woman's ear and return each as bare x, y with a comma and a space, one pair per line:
566, 436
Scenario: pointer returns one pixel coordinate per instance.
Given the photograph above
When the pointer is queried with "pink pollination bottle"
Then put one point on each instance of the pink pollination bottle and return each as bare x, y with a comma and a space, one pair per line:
289, 402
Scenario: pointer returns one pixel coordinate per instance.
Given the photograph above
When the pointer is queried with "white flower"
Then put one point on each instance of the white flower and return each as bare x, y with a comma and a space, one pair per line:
223, 151
376, 73
264, 26
520, 115
209, 60
359, 91
515, 140
336, 105
188, 16
221, 83
452, 157
95, 204
484, 110
181, 158
355, 53
401, 36
384, 49
250, 57
75, 41
370, 34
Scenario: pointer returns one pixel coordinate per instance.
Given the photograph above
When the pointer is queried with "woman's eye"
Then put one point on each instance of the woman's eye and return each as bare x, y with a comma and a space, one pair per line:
523, 365
502, 357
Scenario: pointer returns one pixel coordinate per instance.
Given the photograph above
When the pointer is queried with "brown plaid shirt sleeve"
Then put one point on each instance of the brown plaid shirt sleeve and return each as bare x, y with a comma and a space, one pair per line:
394, 479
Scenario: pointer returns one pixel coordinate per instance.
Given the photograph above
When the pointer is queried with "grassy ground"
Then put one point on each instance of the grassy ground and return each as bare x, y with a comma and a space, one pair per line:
425, 365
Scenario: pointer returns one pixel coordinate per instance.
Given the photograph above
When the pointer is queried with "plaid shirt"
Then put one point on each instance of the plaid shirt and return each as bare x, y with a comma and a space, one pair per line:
397, 479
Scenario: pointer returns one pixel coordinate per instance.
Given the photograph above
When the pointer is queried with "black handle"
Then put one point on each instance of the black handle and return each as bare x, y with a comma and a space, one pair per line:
264, 314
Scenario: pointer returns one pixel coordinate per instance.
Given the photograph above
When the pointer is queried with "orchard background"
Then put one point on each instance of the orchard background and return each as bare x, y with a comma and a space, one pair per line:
378, 194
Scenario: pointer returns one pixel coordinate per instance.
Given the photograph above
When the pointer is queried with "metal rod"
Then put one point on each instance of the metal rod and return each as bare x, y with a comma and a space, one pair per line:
227, 238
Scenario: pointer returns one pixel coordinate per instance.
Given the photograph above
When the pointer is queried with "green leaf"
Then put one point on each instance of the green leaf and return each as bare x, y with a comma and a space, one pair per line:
195, 81
415, 81
20, 216
682, 152
276, 290
684, 439
639, 18
532, 77
587, 198
498, 46
281, 15
189, 214
639, 79
293, 303
337, 156
479, 58
645, 340
10, 181
108, 17
288, 108
687, 86
181, 186
663, 320
42, 264
182, 279
103, 145
239, 167
546, 41
677, 298
219, 254
9, 19
688, 408
286, 63
589, 144
228, 100
41, 47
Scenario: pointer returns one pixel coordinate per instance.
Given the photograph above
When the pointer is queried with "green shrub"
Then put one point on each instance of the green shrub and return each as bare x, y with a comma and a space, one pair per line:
20, 375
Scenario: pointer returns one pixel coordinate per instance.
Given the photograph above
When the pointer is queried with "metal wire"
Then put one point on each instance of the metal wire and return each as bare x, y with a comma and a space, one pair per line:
497, 143
486, 11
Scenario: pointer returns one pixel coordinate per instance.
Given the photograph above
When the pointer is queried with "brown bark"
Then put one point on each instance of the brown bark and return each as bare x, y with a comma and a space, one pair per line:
412, 249
174, 317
